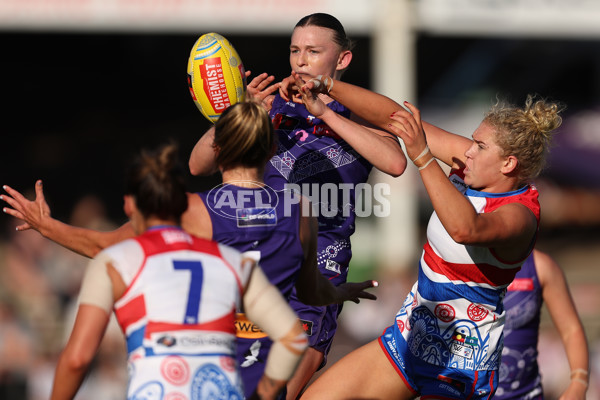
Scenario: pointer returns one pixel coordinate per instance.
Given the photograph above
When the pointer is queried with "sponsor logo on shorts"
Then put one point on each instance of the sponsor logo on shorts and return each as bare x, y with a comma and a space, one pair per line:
333, 266
307, 326
447, 388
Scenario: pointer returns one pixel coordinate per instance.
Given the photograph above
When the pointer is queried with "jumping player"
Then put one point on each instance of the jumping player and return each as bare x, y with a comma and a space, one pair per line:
539, 281
174, 296
312, 152
446, 340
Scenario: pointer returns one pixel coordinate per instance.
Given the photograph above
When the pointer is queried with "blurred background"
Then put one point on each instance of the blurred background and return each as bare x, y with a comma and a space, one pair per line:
87, 83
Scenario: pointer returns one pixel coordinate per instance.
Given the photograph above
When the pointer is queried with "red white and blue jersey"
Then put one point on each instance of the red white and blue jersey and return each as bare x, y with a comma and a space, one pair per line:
454, 316
178, 312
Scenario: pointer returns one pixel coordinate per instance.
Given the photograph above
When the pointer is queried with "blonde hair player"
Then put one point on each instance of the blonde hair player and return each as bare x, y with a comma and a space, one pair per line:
446, 339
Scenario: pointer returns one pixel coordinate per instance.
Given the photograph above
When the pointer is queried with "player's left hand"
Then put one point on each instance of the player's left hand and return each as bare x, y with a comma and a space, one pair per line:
354, 291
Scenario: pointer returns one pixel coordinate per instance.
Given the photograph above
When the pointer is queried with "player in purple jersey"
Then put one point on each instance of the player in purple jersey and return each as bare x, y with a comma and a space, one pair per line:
539, 281
336, 151
243, 213
173, 295
446, 339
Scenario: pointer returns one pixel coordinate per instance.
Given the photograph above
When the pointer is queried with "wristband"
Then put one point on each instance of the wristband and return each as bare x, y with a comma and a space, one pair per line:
327, 81
425, 151
579, 371
579, 380
426, 164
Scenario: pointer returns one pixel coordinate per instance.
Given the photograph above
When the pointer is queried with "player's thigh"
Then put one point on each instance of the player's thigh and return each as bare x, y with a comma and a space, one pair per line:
365, 373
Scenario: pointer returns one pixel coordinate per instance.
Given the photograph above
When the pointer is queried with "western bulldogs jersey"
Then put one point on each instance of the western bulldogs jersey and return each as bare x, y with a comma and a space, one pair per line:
454, 316
519, 373
177, 314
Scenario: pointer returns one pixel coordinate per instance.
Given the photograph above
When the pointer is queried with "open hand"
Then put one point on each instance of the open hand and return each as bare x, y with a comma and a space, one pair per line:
261, 88
32, 213
354, 291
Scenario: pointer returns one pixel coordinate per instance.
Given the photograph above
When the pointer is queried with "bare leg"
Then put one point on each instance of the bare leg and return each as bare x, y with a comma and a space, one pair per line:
365, 373
306, 369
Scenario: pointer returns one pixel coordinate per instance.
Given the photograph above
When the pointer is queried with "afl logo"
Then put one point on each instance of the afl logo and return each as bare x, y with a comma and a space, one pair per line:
444, 312
476, 312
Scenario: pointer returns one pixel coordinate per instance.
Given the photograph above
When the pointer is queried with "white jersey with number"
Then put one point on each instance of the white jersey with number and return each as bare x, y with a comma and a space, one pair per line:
177, 314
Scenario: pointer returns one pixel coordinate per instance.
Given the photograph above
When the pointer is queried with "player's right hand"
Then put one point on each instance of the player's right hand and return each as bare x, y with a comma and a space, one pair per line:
32, 213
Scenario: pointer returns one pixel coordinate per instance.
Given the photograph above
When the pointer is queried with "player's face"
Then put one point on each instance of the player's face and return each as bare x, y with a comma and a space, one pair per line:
313, 52
484, 161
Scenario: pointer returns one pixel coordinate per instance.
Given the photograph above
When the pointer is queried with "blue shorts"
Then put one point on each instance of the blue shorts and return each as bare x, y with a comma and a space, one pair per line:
434, 381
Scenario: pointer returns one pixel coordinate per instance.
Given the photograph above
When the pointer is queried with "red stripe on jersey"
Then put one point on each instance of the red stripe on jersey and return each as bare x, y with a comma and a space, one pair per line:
477, 273
131, 312
521, 285
224, 324
529, 199
153, 242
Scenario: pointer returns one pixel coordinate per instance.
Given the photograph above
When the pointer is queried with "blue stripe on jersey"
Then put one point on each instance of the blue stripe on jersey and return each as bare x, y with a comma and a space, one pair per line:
150, 353
476, 193
436, 291
135, 339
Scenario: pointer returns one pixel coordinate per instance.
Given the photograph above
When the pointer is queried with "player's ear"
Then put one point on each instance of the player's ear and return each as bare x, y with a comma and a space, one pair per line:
344, 60
129, 205
510, 165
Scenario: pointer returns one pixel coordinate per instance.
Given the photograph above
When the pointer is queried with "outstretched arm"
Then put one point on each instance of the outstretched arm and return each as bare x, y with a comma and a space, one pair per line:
557, 297
378, 147
36, 215
312, 287
377, 110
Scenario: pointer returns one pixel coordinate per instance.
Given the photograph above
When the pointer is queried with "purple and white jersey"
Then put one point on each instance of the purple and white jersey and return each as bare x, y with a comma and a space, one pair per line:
519, 373
454, 316
327, 169
262, 223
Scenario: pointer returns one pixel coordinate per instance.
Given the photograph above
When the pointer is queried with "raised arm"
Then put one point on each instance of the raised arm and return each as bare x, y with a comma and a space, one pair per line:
377, 110
312, 287
36, 215
509, 230
557, 297
203, 160
378, 147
